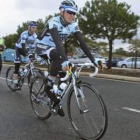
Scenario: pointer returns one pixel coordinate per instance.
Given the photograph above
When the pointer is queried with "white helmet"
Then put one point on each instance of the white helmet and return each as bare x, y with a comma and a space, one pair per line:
68, 5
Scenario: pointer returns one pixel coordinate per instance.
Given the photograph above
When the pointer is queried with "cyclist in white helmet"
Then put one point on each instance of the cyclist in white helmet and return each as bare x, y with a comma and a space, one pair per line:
49, 44
25, 43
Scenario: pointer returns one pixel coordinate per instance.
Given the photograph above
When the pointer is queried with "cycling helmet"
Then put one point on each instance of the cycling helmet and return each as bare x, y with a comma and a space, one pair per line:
32, 23
68, 5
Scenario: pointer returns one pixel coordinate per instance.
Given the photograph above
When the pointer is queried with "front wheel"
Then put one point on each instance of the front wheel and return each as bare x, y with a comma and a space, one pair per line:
39, 100
87, 112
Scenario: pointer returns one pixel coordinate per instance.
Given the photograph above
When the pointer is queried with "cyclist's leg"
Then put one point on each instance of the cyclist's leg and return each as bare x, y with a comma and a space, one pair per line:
17, 59
43, 51
55, 67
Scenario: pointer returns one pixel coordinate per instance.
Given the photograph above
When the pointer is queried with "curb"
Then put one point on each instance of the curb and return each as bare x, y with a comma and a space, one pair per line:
107, 76
116, 77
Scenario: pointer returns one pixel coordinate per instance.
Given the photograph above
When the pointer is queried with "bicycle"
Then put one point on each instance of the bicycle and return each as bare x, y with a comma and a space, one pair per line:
86, 108
28, 71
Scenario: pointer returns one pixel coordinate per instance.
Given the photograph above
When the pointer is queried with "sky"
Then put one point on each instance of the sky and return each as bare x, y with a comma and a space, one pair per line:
15, 12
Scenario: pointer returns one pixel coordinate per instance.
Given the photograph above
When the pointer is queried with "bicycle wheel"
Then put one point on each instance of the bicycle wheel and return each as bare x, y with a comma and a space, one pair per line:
39, 101
32, 75
9, 79
87, 112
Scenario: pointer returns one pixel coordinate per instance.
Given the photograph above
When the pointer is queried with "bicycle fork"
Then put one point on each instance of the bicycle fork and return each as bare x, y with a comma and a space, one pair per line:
79, 94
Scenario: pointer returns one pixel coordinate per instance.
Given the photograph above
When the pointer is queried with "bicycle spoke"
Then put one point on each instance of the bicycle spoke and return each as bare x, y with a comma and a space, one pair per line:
86, 106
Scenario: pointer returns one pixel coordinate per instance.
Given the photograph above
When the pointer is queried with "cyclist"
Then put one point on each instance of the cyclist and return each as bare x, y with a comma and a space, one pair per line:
2, 47
49, 44
25, 43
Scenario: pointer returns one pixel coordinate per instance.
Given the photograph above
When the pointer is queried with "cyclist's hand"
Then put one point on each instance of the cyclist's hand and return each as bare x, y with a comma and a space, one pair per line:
95, 64
100, 65
66, 65
27, 60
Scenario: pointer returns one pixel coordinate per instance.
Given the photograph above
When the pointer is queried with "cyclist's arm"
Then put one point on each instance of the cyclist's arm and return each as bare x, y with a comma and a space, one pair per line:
42, 33
83, 45
23, 38
56, 38
24, 51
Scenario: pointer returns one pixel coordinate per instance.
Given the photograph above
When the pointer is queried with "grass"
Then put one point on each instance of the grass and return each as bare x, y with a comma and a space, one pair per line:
121, 72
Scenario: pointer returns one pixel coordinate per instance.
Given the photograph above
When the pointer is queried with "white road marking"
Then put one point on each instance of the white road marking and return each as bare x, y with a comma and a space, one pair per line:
3, 78
131, 109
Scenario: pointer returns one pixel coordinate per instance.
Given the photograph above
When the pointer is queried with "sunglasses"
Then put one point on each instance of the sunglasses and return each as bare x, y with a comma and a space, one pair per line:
71, 13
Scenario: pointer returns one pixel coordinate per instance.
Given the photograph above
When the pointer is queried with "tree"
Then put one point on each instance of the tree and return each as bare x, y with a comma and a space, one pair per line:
10, 40
134, 47
120, 51
109, 20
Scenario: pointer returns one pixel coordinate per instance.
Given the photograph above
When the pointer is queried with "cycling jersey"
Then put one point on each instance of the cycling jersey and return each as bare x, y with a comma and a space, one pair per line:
27, 39
55, 32
64, 31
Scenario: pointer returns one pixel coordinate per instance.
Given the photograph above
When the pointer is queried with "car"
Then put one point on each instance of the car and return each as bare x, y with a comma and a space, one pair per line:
114, 61
78, 59
8, 55
129, 63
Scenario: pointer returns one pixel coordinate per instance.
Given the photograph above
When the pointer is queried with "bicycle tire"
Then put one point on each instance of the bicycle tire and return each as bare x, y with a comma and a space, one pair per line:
99, 119
36, 72
9, 81
38, 97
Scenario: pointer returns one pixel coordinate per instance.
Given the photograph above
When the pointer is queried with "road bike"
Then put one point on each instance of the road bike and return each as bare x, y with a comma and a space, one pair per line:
26, 72
86, 109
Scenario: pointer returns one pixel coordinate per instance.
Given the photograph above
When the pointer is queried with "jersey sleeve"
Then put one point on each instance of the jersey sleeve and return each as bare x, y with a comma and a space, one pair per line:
52, 23
75, 27
23, 38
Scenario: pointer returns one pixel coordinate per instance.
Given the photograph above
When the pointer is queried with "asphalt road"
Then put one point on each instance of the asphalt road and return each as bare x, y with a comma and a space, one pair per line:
18, 121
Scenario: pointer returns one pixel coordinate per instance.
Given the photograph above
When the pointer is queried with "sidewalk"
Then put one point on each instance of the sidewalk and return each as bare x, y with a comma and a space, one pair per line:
107, 76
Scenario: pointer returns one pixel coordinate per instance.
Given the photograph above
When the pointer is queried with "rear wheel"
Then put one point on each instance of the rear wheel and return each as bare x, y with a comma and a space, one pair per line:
9, 79
39, 100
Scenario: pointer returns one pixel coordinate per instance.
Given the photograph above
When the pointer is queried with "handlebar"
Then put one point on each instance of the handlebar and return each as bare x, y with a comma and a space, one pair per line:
68, 73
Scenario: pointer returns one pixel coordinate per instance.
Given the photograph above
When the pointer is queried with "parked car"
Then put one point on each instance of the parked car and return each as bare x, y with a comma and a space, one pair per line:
78, 59
129, 63
114, 61
8, 55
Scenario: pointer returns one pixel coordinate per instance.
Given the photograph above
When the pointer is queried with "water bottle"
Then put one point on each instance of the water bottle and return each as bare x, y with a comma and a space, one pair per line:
55, 89
21, 72
25, 71
46, 74
63, 86
58, 90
